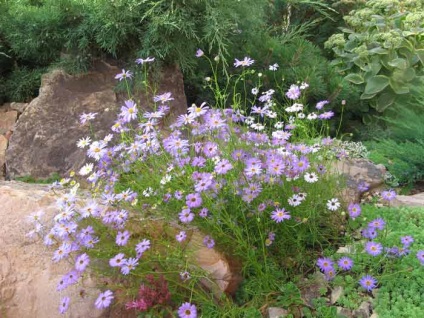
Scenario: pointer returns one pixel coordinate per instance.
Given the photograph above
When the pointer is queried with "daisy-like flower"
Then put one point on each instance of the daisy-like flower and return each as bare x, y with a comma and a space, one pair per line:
321, 104
333, 204
373, 248
123, 75
86, 169
368, 282
187, 310
363, 186
143, 246
293, 92
420, 256
354, 210
104, 300
377, 224
280, 215
294, 200
185, 276
82, 262
388, 195
122, 238
247, 61
186, 216
118, 260
325, 264
312, 116
406, 240
129, 111
83, 142
255, 91
146, 60
310, 177
345, 263
163, 98
199, 53
208, 241
273, 67
326, 115
84, 118
129, 265
64, 305
181, 236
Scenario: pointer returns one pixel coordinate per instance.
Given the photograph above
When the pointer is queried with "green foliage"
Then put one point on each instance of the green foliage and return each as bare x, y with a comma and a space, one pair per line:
22, 84
29, 179
381, 49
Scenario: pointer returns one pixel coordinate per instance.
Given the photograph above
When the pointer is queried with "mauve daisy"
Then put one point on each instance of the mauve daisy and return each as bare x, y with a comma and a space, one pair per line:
377, 224
122, 238
186, 216
118, 260
373, 248
208, 241
354, 210
181, 236
247, 61
64, 304
123, 75
187, 310
420, 256
388, 195
82, 262
406, 240
280, 215
368, 282
345, 263
104, 300
325, 263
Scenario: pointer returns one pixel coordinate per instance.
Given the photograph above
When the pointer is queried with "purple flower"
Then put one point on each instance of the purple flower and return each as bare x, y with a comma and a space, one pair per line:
368, 282
223, 166
325, 264
118, 260
87, 117
82, 262
64, 305
129, 111
247, 61
193, 200
354, 210
369, 233
326, 115
129, 265
141, 247
345, 263
104, 299
208, 242
163, 98
330, 273
199, 53
280, 215
181, 236
420, 256
122, 238
293, 92
203, 212
123, 75
377, 224
373, 248
186, 216
187, 310
388, 195
406, 240
146, 60
321, 104
363, 186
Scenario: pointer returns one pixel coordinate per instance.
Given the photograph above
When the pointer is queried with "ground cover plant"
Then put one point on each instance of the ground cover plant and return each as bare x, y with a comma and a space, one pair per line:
248, 174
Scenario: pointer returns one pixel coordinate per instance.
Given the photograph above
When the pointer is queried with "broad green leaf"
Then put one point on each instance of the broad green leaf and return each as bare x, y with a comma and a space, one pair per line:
354, 78
378, 50
376, 84
385, 100
367, 96
403, 76
399, 88
420, 54
398, 63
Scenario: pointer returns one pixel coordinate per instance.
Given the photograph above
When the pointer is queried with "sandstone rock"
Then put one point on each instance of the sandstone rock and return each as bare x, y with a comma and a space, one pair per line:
356, 171
7, 121
3, 147
344, 312
409, 200
44, 141
276, 312
364, 310
28, 278
19, 107
336, 294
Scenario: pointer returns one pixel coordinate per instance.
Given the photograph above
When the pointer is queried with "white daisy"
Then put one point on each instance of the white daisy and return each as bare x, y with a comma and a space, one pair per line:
333, 204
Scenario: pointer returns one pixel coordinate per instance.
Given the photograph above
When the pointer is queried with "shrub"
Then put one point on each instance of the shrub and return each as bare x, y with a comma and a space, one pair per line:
381, 49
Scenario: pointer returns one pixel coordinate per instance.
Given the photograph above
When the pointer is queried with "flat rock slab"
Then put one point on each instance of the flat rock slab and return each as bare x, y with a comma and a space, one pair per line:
7, 121
28, 278
416, 200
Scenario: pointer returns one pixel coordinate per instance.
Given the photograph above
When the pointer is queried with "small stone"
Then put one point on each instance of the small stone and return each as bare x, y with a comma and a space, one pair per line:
276, 312
364, 310
336, 294
374, 315
344, 312
7, 121
349, 249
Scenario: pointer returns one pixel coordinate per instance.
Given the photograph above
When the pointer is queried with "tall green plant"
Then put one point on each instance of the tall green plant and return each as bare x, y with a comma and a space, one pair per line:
381, 49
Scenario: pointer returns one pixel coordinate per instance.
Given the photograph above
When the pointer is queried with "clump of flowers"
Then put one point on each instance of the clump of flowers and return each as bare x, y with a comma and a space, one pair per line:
252, 192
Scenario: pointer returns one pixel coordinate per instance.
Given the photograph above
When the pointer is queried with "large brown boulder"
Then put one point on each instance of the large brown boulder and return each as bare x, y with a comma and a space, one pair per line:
45, 136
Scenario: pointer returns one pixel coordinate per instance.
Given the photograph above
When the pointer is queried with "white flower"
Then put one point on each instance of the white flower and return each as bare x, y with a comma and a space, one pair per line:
279, 125
271, 114
108, 138
148, 192
249, 120
83, 142
295, 200
304, 85
165, 179
273, 67
301, 115
333, 204
311, 177
312, 116
255, 91
86, 169
257, 126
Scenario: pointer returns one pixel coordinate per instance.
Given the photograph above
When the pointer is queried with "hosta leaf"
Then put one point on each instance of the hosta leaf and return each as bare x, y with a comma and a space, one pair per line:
399, 63
385, 100
354, 78
367, 96
399, 88
420, 54
378, 50
376, 84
